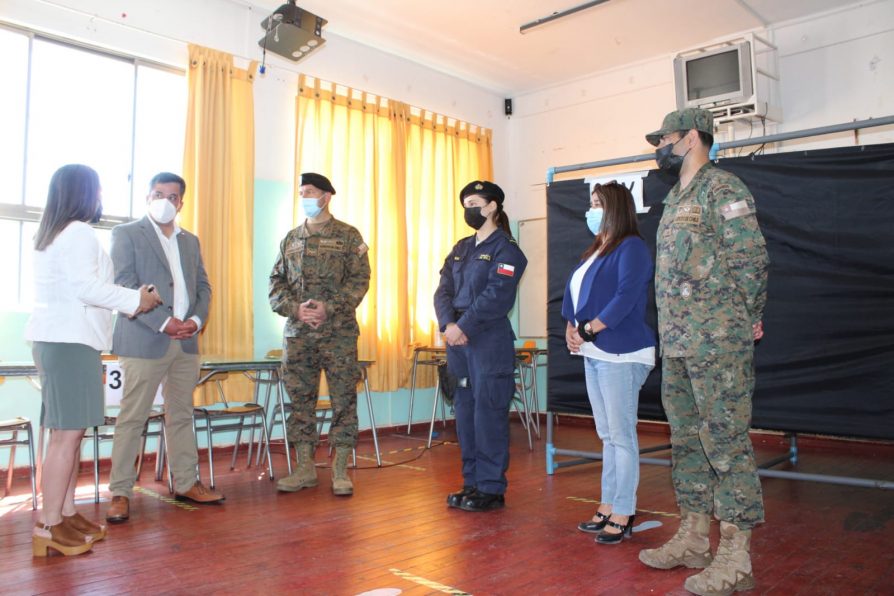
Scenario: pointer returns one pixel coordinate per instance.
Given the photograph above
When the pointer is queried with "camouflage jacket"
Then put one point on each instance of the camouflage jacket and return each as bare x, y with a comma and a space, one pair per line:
711, 269
332, 266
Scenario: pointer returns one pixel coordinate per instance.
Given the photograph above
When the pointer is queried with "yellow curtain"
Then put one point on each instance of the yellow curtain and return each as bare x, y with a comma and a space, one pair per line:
218, 166
397, 171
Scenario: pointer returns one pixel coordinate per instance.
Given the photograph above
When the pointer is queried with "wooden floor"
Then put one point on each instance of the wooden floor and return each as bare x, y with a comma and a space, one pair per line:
396, 535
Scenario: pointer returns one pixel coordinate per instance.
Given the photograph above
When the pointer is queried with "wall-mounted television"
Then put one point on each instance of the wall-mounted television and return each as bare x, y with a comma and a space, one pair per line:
715, 77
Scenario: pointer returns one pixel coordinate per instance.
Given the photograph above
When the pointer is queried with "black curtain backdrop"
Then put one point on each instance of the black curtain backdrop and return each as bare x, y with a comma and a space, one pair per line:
826, 362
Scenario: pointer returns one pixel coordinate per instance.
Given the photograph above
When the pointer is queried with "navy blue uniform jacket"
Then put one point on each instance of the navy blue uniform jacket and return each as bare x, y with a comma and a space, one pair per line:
478, 283
614, 290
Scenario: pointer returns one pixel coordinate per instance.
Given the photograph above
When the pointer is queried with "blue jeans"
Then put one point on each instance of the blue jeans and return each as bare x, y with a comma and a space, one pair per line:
613, 388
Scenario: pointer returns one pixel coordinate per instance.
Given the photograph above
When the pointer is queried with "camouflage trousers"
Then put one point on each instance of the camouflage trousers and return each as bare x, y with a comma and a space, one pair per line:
303, 358
708, 405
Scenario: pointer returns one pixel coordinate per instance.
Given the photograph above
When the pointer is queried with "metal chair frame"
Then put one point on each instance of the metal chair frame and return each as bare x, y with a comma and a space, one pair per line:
15, 426
252, 410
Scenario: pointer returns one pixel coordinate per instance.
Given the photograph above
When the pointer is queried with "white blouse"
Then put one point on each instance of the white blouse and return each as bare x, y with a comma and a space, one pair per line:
74, 293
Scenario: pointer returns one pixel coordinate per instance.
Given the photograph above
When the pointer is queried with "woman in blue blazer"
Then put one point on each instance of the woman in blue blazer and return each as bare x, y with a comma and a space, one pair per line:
605, 311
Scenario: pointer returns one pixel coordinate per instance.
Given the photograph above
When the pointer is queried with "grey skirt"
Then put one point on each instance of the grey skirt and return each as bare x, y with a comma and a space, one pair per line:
71, 385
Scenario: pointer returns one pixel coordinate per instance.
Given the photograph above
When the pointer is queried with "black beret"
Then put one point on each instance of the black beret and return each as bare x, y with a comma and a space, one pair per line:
318, 180
483, 188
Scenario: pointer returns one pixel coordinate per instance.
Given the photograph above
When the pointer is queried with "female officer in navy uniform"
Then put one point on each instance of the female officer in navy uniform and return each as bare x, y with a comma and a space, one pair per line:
478, 285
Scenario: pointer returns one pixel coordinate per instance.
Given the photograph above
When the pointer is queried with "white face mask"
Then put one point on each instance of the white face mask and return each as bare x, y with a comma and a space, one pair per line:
162, 211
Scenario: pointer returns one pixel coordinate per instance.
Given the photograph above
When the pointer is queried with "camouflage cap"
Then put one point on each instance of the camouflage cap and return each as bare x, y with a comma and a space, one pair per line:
687, 119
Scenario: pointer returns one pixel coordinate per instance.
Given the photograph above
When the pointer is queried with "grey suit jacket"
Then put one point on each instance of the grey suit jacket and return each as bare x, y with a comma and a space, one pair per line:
139, 259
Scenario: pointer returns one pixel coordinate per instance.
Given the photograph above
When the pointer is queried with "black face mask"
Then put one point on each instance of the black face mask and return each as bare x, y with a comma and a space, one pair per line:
473, 217
668, 160
98, 215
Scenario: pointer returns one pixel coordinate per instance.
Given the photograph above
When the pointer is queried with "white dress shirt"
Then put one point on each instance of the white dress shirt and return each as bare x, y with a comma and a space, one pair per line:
74, 293
171, 248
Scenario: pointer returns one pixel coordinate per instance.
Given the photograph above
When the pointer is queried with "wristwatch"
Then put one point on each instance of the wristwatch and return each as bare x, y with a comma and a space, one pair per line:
586, 332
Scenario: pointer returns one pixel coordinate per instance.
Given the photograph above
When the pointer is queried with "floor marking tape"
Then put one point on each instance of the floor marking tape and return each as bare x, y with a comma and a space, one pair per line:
391, 463
165, 499
660, 513
407, 449
427, 583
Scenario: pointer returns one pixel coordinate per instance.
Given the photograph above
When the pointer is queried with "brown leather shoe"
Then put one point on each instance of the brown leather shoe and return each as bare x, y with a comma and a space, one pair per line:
119, 510
199, 493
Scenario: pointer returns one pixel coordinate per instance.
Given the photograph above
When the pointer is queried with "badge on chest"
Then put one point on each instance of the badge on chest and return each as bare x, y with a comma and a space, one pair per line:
688, 214
323, 246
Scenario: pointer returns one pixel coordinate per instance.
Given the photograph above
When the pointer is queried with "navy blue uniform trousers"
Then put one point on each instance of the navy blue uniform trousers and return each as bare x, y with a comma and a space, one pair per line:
482, 408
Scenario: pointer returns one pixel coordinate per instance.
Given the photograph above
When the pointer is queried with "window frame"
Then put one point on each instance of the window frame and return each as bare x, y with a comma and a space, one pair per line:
30, 213
22, 213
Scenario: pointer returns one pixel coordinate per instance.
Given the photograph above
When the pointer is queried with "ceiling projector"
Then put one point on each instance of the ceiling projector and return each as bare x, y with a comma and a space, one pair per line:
292, 32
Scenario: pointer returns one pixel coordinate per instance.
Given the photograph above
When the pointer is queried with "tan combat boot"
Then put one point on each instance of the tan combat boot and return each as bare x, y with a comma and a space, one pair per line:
731, 569
341, 484
689, 546
305, 475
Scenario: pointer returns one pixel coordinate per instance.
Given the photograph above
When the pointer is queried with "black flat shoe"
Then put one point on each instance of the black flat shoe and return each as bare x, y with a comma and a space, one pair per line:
455, 499
480, 501
626, 532
593, 527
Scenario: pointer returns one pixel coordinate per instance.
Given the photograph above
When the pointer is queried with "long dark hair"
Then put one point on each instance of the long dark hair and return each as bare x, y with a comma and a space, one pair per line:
73, 196
618, 218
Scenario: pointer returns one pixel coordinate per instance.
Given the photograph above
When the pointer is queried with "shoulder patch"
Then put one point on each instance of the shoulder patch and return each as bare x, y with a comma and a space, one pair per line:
734, 210
506, 269
362, 249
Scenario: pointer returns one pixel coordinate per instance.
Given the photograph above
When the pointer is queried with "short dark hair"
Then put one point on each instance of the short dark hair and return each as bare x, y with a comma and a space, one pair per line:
706, 139
167, 178
73, 196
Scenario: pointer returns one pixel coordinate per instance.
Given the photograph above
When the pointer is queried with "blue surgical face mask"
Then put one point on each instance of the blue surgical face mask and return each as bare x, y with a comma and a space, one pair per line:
311, 208
594, 219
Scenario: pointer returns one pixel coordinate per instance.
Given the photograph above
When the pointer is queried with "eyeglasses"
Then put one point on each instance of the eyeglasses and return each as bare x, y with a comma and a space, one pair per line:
174, 197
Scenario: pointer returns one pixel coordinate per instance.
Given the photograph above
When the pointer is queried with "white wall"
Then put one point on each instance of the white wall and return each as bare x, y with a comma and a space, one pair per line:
159, 30
835, 68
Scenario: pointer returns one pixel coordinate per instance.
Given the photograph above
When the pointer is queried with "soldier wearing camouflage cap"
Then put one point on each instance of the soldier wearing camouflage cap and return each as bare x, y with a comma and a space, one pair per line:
710, 289
319, 279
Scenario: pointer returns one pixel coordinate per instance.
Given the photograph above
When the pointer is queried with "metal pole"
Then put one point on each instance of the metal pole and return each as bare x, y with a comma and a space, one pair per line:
587, 456
828, 479
784, 136
559, 14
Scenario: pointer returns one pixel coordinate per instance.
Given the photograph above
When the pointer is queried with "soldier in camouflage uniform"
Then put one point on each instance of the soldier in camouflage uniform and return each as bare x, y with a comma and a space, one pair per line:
320, 277
710, 288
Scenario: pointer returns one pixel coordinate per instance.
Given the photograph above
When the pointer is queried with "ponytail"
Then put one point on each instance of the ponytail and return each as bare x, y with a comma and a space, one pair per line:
502, 220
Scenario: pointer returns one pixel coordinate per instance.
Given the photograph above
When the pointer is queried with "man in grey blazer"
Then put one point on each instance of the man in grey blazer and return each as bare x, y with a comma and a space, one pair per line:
161, 345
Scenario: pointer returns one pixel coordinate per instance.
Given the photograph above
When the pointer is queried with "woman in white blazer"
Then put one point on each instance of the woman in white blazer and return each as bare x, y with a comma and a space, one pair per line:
70, 325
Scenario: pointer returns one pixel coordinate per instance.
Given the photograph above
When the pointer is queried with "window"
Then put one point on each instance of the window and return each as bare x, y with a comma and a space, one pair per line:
62, 104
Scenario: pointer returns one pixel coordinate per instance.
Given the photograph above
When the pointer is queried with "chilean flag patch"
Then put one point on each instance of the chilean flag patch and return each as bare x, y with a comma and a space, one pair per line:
506, 269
